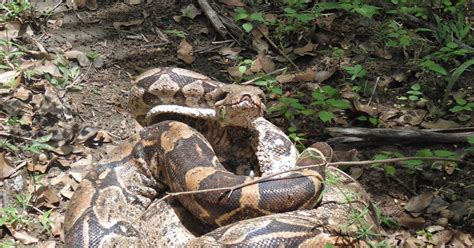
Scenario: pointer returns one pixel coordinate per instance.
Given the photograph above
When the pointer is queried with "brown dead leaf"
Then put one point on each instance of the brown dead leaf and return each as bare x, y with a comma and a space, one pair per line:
234, 3
56, 227
306, 49
8, 76
46, 196
307, 76
234, 72
79, 56
190, 11
78, 168
185, 52
440, 124
266, 62
23, 237
461, 239
286, 78
371, 111
260, 45
230, 52
441, 238
49, 67
119, 25
103, 136
46, 244
410, 222
13, 30
418, 203
413, 117
6, 166
22, 93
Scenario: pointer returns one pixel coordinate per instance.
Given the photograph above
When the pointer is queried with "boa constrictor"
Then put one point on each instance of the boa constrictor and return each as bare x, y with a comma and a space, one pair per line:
114, 204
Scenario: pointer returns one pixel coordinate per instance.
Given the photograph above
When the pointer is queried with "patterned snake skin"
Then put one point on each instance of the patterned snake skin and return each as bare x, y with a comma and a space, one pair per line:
117, 202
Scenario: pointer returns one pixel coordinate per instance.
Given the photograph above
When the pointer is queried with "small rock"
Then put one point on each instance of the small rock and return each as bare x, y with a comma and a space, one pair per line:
418, 203
459, 210
437, 205
442, 221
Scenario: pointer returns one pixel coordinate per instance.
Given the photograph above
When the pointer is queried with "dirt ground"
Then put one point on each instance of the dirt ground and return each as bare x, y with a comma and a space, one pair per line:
99, 101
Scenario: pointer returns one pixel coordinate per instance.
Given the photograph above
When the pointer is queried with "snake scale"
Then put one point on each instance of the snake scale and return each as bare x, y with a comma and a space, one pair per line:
116, 203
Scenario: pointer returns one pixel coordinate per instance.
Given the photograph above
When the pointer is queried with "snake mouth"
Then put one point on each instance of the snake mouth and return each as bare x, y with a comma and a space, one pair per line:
245, 103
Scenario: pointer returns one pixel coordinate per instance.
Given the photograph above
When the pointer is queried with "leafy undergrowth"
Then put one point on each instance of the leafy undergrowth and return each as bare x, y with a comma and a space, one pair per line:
65, 76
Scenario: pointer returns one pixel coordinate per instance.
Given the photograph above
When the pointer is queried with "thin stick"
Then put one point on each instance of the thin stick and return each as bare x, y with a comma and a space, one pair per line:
213, 18
279, 50
382, 161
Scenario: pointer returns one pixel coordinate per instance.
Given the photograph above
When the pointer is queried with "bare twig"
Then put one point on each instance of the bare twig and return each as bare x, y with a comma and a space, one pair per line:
373, 90
213, 18
350, 163
279, 50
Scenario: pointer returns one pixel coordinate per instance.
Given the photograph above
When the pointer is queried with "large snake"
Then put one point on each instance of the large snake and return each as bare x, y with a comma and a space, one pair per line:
115, 203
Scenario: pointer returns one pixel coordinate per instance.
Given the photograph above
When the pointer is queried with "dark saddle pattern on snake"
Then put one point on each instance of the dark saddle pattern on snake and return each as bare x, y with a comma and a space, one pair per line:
116, 203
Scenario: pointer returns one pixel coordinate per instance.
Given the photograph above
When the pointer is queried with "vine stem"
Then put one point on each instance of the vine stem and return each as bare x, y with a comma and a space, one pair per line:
231, 189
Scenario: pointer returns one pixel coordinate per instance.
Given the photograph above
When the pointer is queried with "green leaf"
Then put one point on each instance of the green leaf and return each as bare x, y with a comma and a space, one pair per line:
416, 86
318, 96
460, 101
242, 69
325, 116
257, 16
339, 103
390, 170
247, 27
329, 90
307, 112
456, 109
445, 154
7, 145
470, 140
431, 65
362, 118
413, 98
452, 45
277, 90
424, 153
412, 163
241, 14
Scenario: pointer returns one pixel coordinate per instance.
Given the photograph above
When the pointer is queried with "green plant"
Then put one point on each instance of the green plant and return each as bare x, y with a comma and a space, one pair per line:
328, 100
248, 17
413, 94
14, 10
45, 221
24, 201
4, 144
462, 105
296, 137
92, 55
356, 6
288, 107
397, 36
11, 216
374, 121
356, 71
39, 145
453, 79
176, 33
68, 73
9, 53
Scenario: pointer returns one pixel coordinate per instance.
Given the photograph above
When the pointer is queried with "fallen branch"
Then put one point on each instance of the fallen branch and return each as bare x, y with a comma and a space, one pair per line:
348, 163
374, 136
213, 18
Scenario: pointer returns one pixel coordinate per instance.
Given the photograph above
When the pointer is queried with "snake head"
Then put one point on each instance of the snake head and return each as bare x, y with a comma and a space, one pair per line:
238, 105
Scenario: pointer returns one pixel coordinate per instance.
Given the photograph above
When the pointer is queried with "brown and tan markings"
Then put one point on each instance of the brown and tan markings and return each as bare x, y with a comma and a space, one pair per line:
115, 204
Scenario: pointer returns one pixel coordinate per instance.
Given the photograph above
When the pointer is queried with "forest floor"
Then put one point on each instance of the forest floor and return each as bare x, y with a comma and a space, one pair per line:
71, 110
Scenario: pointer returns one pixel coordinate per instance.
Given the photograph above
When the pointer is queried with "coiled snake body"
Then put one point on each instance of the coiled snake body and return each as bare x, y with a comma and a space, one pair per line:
115, 203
